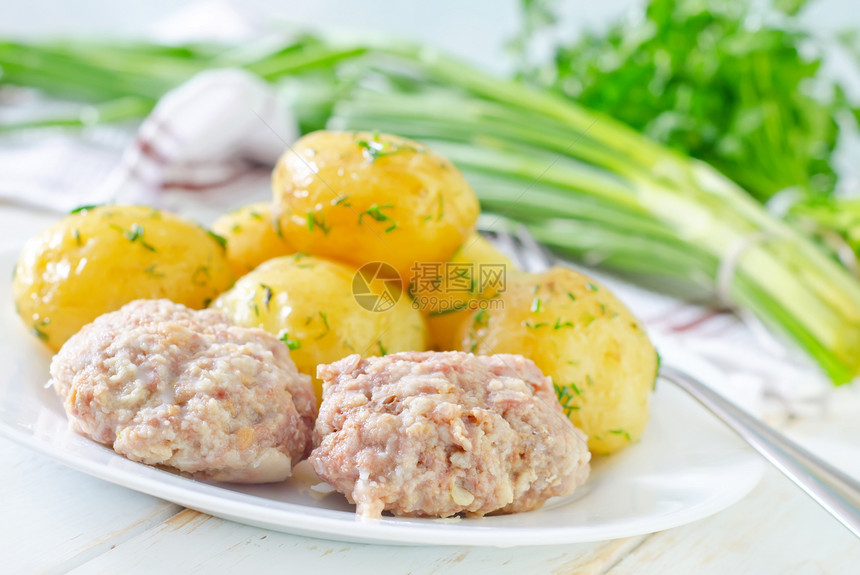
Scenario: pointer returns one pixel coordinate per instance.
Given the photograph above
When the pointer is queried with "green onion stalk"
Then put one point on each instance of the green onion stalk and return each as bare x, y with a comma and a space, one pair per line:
835, 222
584, 184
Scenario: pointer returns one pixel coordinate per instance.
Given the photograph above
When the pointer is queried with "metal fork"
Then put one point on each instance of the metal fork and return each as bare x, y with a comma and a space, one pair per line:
830, 487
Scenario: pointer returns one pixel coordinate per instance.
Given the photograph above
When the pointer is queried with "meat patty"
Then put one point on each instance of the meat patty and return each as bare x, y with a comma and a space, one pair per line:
442, 433
167, 385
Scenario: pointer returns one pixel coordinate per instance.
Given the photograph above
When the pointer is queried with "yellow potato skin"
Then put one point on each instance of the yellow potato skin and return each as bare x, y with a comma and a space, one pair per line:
253, 236
444, 324
308, 302
99, 259
599, 357
359, 197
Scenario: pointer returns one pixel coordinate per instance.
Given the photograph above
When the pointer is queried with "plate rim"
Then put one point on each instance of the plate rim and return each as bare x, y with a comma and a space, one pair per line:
289, 517
211, 499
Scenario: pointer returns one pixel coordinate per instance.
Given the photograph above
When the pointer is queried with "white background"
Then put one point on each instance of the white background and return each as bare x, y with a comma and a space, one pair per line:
474, 29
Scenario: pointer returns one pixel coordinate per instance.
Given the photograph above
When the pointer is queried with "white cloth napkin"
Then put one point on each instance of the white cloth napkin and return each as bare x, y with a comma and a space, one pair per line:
220, 128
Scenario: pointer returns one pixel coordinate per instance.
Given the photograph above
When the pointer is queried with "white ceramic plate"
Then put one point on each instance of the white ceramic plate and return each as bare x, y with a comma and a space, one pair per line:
687, 466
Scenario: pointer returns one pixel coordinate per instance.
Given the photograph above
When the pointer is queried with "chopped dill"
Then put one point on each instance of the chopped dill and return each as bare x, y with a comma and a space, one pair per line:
267, 295
621, 432
292, 344
376, 212
200, 276
222, 241
313, 221
324, 319
567, 401
481, 320
135, 234
83, 208
276, 226
37, 325
375, 149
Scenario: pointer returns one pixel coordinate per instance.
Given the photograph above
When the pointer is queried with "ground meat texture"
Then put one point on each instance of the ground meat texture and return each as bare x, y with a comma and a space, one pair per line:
167, 385
437, 434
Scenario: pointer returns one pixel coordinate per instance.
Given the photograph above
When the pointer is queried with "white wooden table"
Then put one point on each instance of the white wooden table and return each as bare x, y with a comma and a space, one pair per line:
57, 520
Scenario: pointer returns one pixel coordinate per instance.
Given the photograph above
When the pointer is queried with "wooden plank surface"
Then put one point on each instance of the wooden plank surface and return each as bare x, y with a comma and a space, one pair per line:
54, 518
61, 520
192, 542
776, 529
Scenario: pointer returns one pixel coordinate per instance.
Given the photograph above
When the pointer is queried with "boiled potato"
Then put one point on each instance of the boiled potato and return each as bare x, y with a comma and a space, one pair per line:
598, 355
253, 236
98, 259
308, 302
360, 197
447, 306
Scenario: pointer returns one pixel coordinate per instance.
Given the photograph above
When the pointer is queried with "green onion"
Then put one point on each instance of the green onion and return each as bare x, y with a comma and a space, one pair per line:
584, 184
594, 189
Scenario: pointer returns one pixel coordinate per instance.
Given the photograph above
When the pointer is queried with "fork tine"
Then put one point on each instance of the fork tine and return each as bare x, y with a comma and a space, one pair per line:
540, 258
508, 246
516, 242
